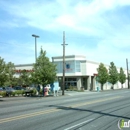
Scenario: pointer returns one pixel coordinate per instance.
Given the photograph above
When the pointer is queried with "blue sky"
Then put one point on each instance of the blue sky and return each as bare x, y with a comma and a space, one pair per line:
98, 29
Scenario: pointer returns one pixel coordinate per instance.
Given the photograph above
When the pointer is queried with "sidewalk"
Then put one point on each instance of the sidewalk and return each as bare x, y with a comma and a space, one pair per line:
66, 93
71, 93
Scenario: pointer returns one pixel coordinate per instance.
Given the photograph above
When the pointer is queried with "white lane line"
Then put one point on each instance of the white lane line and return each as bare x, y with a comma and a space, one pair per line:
79, 124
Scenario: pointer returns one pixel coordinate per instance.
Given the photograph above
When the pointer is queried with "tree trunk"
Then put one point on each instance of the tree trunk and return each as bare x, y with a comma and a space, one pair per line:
102, 87
112, 87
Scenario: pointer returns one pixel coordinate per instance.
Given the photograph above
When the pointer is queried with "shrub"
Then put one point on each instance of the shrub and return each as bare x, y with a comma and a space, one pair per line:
33, 92
23, 92
71, 87
41, 91
13, 94
3, 94
75, 89
18, 92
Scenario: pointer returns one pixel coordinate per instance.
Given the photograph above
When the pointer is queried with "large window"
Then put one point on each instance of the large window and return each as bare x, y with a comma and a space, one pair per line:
77, 66
58, 67
69, 66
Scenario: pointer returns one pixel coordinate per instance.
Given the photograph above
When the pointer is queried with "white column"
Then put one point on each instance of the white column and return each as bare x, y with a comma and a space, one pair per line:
79, 83
88, 82
94, 83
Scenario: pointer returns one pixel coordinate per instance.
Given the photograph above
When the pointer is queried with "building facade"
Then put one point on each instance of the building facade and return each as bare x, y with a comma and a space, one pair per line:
25, 67
79, 72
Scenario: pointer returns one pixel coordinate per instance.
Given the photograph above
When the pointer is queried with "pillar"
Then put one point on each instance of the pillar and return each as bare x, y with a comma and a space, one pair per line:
79, 83
94, 83
89, 83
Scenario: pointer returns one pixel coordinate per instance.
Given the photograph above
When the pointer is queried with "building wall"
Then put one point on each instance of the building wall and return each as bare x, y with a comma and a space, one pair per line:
87, 70
27, 67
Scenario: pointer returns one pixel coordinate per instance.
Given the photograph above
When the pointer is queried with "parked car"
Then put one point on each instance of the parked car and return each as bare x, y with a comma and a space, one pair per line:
1, 89
9, 90
19, 88
2, 92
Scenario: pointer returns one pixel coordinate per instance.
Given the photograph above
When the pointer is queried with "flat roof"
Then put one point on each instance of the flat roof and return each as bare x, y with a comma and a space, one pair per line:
24, 65
69, 56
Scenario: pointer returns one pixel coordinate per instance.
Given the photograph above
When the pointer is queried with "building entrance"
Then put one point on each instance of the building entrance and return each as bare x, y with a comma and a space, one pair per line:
70, 82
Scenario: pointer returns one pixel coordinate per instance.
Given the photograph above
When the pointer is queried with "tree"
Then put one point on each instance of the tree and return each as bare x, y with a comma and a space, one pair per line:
44, 70
113, 74
10, 71
122, 76
24, 78
3, 75
6, 73
102, 76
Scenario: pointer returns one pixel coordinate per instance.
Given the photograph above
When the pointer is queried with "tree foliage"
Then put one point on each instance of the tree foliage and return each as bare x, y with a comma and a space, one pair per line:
24, 78
3, 70
102, 75
44, 70
10, 71
113, 74
6, 73
122, 76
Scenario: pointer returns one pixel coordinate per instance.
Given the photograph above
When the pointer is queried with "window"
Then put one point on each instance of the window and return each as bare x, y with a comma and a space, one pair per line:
77, 66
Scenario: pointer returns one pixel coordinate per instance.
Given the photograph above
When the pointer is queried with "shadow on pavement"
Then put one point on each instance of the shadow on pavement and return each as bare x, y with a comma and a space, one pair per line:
92, 111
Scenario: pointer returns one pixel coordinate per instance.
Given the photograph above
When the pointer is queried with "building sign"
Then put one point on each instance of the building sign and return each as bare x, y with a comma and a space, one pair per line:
95, 74
68, 67
24, 70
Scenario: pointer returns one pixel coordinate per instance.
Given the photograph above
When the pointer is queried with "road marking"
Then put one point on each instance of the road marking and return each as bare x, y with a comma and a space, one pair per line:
27, 115
96, 101
54, 110
79, 124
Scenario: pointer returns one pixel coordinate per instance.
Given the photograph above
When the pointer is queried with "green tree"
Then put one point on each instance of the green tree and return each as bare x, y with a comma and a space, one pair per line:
122, 76
102, 76
24, 78
113, 74
10, 71
44, 70
3, 71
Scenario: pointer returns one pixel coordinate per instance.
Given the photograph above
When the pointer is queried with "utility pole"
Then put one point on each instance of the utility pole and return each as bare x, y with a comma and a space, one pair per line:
63, 82
128, 73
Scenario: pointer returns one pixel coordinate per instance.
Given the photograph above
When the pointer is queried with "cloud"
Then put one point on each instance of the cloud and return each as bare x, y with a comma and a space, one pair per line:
104, 21
80, 16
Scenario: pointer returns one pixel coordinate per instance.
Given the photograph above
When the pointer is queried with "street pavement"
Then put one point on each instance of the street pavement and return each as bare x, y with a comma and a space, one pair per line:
74, 111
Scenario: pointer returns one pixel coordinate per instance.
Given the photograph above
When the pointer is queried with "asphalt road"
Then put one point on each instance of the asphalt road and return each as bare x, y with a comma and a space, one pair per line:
75, 111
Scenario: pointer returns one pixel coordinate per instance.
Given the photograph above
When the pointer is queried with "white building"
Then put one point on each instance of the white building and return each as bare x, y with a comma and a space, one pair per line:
78, 72
82, 73
19, 68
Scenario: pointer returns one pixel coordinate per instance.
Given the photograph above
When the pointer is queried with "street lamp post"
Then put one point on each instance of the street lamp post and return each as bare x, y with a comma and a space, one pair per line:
36, 36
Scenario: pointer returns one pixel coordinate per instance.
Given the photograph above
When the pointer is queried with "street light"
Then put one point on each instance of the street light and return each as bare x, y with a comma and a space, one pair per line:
36, 36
